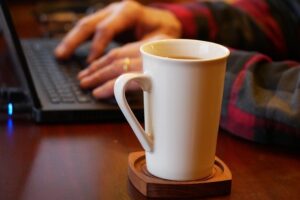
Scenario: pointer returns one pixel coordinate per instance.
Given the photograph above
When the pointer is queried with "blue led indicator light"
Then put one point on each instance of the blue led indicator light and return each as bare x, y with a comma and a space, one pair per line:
10, 109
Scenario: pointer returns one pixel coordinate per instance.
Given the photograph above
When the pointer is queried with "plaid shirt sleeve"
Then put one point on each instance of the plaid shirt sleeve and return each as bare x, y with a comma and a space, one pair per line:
261, 99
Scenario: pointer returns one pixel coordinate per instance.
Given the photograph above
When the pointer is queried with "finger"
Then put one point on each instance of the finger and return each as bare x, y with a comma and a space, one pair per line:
119, 20
103, 35
98, 64
107, 89
81, 32
110, 72
130, 50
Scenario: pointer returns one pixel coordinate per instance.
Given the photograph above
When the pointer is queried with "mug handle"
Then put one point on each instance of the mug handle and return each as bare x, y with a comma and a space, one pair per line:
144, 82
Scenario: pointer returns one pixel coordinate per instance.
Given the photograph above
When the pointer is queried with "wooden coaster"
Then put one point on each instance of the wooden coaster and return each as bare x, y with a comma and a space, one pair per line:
219, 183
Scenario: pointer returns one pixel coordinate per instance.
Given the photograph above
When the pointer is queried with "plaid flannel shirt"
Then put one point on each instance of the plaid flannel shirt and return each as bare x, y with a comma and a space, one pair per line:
261, 100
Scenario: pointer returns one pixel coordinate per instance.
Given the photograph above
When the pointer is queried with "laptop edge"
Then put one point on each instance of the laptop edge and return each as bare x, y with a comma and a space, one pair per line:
42, 111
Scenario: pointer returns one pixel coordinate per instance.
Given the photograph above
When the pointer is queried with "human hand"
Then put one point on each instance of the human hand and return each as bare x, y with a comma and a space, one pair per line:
148, 24
102, 73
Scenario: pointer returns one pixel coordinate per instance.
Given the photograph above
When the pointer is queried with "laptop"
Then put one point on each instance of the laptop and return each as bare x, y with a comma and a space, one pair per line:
52, 85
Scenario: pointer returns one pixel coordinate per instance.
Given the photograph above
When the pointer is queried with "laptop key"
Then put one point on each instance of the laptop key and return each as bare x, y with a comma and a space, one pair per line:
60, 80
68, 99
83, 99
55, 100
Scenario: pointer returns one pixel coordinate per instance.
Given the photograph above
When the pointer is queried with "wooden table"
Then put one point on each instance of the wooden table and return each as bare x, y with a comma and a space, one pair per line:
89, 161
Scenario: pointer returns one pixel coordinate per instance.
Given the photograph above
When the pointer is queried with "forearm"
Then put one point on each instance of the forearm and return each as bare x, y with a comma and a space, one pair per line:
261, 99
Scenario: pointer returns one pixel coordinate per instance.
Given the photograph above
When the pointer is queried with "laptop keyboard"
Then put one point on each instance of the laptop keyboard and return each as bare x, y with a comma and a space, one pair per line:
58, 78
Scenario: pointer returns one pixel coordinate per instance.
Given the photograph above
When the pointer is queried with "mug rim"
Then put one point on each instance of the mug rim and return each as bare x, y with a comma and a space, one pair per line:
225, 49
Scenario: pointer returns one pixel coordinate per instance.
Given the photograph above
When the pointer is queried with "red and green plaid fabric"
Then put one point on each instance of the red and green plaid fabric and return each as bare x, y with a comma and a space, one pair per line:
261, 99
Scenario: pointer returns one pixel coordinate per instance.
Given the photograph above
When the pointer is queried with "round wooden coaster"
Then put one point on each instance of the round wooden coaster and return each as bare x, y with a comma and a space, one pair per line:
218, 183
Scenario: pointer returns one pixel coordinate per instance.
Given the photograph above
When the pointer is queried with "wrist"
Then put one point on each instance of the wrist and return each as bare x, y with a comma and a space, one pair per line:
185, 18
162, 22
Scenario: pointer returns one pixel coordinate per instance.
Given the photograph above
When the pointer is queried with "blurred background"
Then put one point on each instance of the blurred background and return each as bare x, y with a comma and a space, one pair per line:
56, 17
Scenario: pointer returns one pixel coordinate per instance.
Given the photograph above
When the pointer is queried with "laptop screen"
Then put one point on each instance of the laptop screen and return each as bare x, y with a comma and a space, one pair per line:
16, 52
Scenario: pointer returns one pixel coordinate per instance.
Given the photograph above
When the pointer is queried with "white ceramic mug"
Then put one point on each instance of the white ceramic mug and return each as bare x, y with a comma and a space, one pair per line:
183, 84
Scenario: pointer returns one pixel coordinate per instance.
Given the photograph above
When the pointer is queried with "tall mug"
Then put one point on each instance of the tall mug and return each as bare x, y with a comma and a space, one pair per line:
183, 84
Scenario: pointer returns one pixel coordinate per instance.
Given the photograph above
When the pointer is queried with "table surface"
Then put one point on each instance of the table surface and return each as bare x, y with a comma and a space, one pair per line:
89, 161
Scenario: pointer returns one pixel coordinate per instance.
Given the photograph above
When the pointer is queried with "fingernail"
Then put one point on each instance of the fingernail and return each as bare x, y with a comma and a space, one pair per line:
60, 50
99, 93
82, 73
84, 82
